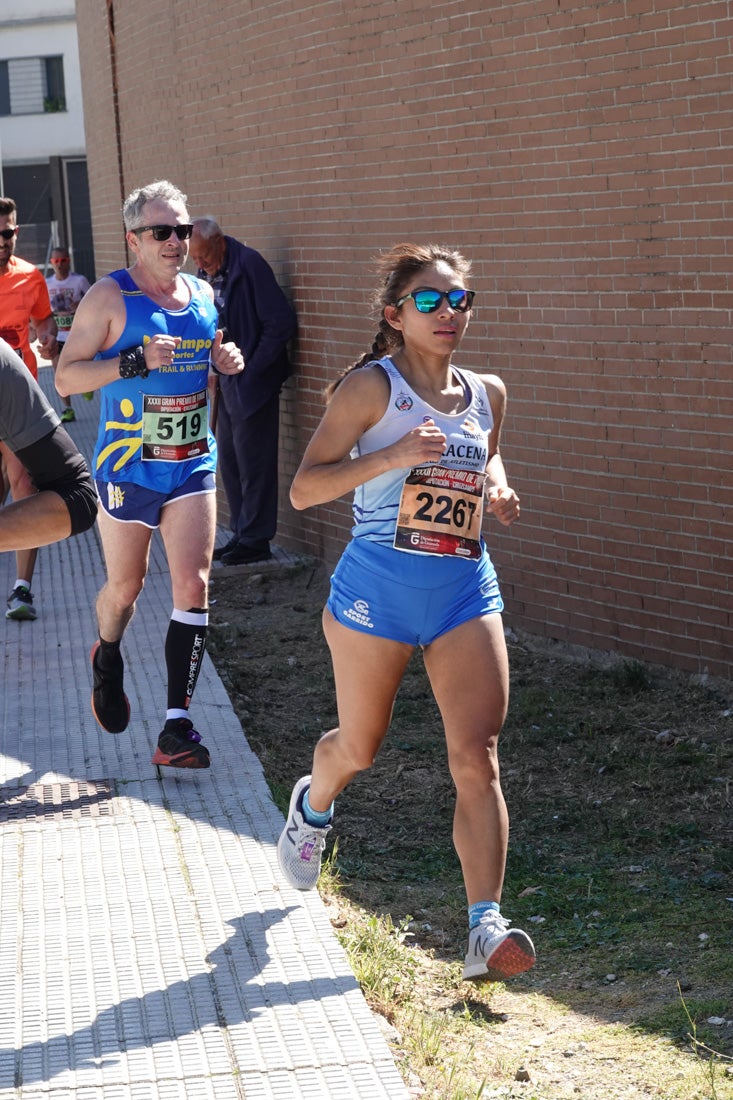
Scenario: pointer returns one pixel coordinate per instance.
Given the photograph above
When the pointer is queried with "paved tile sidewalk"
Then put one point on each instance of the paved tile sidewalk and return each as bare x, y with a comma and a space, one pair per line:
149, 946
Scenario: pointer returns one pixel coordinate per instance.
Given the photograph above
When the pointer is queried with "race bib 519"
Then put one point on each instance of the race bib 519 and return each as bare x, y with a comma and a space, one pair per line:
175, 428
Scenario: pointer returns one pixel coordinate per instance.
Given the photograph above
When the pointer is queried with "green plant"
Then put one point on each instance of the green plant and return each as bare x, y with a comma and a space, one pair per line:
427, 1034
329, 880
708, 1059
382, 963
630, 677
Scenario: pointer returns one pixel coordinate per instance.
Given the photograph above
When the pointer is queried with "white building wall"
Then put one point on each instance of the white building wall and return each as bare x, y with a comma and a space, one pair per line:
46, 28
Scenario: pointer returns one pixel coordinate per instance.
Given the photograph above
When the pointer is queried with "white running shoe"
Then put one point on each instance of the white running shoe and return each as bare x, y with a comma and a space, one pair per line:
20, 604
494, 952
301, 845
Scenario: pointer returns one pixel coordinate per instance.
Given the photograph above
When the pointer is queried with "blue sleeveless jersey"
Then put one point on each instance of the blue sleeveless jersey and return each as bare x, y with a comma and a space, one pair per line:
467, 446
154, 431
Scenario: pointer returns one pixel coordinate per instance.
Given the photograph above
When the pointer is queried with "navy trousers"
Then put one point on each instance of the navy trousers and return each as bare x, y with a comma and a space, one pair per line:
247, 449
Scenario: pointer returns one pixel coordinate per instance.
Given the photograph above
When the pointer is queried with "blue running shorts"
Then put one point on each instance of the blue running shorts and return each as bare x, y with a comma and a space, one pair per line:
131, 503
411, 598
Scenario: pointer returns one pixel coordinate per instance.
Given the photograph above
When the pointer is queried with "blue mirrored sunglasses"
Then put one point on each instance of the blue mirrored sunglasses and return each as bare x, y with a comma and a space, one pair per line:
428, 300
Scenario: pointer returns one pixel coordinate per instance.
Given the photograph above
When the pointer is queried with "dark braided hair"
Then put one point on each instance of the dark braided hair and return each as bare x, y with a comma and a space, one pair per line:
397, 268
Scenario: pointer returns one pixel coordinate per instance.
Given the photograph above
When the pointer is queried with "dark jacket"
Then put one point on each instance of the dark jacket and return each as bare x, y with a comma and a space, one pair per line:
259, 319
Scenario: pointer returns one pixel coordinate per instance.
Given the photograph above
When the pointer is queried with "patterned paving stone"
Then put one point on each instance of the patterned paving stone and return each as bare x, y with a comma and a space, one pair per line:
150, 947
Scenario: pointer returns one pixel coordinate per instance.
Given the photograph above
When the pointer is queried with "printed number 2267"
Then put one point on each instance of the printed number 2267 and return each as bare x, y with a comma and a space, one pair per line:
454, 512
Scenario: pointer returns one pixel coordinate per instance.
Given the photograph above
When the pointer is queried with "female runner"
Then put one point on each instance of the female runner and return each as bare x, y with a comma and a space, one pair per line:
417, 441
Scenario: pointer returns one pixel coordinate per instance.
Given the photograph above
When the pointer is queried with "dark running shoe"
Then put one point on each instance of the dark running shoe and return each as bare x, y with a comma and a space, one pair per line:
110, 705
179, 746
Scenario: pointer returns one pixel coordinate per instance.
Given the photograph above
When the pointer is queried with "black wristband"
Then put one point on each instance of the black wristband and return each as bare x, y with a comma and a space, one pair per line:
132, 363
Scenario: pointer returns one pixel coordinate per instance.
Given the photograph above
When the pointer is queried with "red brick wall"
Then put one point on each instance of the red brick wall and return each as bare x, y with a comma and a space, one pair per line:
105, 184
582, 155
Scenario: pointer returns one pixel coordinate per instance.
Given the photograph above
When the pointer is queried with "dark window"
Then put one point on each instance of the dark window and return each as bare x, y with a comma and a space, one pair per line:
55, 98
4, 89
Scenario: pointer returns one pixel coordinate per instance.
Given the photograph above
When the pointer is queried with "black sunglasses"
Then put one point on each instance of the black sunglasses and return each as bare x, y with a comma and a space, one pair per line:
163, 232
6, 234
428, 300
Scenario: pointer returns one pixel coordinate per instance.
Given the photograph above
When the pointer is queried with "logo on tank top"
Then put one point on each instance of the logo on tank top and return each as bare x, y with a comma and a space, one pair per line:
469, 452
403, 402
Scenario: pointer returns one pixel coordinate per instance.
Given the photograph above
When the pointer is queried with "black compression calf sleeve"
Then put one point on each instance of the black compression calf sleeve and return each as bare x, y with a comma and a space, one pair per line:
185, 644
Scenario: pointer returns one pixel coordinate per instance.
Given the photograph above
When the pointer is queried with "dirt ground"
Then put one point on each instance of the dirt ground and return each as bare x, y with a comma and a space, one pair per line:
596, 767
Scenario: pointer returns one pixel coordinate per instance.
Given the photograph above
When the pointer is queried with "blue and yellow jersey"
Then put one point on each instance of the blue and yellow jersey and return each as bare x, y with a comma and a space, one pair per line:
154, 431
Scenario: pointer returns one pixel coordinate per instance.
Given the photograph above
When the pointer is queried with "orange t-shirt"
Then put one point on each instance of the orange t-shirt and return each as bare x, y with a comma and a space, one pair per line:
23, 295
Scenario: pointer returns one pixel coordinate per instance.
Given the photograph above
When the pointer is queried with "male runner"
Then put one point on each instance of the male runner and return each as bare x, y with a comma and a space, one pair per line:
145, 337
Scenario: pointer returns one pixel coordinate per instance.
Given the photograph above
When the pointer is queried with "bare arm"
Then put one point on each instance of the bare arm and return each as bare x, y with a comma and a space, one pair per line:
98, 322
327, 470
46, 333
503, 502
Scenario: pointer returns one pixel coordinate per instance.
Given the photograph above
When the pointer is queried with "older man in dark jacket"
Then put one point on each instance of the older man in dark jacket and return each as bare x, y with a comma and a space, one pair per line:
257, 316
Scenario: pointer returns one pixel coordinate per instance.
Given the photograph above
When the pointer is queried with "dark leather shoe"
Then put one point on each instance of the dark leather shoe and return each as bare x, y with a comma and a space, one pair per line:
222, 550
243, 554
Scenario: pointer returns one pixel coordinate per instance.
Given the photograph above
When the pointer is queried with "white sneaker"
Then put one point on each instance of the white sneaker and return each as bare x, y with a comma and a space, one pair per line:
20, 604
301, 845
494, 953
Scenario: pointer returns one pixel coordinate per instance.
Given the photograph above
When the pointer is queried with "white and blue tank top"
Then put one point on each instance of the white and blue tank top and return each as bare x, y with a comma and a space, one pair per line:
376, 502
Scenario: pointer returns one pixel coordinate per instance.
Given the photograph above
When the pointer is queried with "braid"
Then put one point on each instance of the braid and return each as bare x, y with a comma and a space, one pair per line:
380, 346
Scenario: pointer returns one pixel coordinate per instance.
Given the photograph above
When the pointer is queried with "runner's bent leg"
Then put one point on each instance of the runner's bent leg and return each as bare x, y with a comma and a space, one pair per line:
126, 549
367, 672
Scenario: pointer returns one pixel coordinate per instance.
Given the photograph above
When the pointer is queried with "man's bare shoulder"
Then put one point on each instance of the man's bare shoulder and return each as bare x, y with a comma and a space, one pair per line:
98, 321
105, 292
